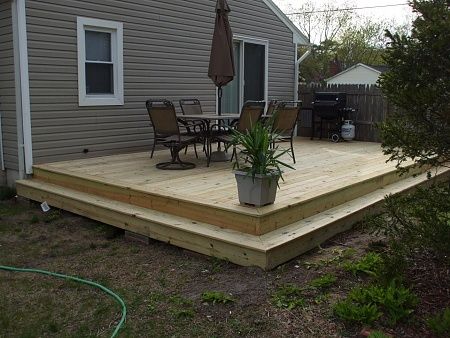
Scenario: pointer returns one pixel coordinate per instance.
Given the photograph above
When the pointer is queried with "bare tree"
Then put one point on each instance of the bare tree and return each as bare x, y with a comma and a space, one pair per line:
324, 21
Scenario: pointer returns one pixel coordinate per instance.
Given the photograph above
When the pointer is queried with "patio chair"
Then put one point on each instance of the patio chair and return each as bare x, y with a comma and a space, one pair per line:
193, 127
271, 108
284, 121
250, 114
167, 132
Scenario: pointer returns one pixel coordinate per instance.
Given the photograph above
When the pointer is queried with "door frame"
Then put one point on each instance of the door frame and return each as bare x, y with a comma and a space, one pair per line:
242, 40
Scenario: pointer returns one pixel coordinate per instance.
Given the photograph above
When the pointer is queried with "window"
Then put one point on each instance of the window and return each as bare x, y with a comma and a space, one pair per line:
100, 62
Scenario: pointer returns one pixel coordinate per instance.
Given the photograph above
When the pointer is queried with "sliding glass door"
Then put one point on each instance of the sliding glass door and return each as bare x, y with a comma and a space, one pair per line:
250, 82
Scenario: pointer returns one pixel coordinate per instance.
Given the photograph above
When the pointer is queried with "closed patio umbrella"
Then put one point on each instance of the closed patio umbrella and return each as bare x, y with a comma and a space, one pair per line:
221, 62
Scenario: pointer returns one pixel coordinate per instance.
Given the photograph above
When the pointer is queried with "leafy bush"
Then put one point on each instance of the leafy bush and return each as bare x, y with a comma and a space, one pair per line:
440, 324
288, 296
367, 304
323, 282
418, 221
216, 297
369, 264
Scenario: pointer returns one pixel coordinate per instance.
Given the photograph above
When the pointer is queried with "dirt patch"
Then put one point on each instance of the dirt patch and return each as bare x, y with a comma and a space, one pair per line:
162, 285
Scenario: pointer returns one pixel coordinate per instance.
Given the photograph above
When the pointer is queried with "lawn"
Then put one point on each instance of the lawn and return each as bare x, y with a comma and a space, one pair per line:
172, 292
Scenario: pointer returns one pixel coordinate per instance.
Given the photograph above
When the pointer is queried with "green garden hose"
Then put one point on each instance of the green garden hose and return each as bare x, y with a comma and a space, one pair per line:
83, 281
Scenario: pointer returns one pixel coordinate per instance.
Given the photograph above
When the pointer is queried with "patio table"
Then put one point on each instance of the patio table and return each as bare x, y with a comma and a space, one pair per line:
217, 156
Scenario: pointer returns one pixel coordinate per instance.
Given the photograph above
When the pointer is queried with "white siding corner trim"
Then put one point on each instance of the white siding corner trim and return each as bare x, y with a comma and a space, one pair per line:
25, 150
116, 31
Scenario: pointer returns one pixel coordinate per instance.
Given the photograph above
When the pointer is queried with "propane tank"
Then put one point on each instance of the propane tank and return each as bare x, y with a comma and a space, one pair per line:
348, 130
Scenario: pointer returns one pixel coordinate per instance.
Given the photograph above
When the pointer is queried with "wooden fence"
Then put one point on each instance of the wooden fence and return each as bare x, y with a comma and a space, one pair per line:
370, 105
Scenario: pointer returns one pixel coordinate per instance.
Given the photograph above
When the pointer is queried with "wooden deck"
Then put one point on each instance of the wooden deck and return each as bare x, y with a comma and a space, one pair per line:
198, 209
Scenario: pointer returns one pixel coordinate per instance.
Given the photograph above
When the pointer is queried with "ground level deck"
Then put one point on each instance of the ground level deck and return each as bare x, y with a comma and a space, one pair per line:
333, 185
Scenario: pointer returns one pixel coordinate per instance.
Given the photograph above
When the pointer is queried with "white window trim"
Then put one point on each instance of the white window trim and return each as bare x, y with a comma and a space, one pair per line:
116, 30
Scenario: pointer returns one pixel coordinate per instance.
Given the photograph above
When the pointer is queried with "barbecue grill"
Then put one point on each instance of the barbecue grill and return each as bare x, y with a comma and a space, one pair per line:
329, 106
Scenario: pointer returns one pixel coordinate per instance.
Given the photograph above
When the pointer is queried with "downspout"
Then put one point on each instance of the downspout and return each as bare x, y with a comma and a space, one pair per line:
24, 119
298, 61
2, 164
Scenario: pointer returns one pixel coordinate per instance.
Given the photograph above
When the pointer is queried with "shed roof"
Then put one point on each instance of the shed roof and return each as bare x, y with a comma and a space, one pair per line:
380, 70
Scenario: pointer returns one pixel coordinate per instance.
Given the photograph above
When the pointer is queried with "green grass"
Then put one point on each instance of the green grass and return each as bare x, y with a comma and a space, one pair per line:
369, 264
288, 296
323, 282
440, 323
216, 297
181, 308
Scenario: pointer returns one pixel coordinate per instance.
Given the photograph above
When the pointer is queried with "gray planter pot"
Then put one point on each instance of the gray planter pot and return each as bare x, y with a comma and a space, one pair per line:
258, 192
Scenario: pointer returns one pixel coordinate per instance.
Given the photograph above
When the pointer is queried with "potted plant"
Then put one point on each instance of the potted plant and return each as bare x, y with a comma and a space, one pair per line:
257, 178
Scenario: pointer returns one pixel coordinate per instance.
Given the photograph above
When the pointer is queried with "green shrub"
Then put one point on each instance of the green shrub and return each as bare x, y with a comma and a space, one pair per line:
369, 264
417, 222
288, 296
440, 324
395, 302
323, 282
216, 297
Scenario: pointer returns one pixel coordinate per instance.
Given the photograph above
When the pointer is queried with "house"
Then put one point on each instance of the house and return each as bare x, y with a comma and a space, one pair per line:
357, 74
74, 75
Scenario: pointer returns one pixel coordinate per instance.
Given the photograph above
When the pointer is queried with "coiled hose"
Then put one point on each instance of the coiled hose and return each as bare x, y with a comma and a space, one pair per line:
82, 281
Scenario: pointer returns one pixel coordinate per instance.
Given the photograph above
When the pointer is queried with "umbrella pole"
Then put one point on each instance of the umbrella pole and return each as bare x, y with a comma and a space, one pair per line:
219, 94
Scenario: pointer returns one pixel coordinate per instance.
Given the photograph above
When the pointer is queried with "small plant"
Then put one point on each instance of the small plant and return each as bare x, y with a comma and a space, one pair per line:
370, 264
256, 146
155, 298
377, 334
182, 308
323, 282
440, 324
34, 219
365, 313
394, 301
216, 297
288, 296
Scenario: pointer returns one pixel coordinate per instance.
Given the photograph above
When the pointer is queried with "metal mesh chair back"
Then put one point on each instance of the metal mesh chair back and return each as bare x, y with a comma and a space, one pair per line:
250, 114
191, 107
273, 104
163, 117
286, 117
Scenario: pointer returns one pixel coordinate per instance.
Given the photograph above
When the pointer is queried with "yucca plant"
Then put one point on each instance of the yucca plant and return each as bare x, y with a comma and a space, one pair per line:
260, 158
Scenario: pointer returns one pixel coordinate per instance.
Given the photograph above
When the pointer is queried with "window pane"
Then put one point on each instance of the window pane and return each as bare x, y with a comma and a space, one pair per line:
98, 46
99, 78
254, 75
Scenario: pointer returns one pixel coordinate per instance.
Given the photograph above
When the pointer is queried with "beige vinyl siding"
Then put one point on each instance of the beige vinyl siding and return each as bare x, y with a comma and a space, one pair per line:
166, 47
7, 87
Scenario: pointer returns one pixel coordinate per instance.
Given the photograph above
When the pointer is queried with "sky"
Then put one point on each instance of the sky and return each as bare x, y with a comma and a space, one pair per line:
400, 14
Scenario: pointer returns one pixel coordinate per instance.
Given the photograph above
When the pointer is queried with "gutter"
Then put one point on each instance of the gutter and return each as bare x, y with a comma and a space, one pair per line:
23, 109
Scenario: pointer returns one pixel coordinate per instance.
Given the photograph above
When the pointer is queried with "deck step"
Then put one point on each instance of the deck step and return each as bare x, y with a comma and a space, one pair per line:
254, 221
265, 251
